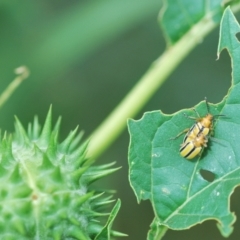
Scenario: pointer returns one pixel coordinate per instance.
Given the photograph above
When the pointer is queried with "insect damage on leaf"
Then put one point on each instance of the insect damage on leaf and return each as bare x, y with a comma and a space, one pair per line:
184, 193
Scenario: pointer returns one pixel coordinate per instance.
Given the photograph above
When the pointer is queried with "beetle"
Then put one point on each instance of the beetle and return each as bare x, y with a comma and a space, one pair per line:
194, 146
202, 125
197, 136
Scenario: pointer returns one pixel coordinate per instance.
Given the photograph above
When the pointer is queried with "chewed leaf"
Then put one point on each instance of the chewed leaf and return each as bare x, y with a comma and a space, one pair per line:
187, 192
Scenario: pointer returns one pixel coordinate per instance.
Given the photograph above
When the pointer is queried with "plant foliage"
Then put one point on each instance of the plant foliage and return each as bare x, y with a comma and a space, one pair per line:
45, 187
180, 194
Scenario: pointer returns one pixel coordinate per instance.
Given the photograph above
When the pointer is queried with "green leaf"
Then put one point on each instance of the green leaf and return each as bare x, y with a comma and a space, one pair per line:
106, 231
180, 194
186, 13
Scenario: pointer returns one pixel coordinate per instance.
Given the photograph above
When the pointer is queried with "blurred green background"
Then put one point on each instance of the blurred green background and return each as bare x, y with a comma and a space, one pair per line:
84, 56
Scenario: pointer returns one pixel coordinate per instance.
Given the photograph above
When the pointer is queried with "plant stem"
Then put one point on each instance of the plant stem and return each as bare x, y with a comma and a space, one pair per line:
108, 131
161, 233
157, 231
22, 73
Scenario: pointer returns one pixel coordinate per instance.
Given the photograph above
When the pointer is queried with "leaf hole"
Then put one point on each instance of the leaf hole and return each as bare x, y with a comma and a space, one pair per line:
238, 36
207, 175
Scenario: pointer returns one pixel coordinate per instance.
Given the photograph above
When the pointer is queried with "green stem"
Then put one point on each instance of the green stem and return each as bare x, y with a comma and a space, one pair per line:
106, 133
161, 232
157, 231
22, 73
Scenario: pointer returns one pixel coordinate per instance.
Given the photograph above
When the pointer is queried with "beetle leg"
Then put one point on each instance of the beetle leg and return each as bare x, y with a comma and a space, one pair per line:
190, 117
181, 133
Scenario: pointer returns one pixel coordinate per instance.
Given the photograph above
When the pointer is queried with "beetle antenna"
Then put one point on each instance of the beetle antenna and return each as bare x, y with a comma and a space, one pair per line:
219, 115
217, 141
196, 112
207, 104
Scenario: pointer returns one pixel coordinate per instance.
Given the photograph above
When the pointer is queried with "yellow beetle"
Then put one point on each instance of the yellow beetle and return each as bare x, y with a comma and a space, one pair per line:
194, 146
203, 125
197, 136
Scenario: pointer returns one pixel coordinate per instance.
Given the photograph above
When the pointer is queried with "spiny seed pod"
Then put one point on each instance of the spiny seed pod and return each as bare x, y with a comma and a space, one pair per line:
44, 187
